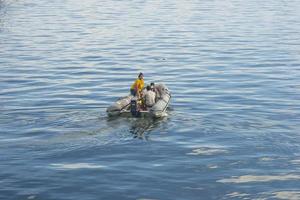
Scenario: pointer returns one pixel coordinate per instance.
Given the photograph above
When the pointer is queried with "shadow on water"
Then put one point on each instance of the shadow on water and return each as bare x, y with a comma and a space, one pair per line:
140, 128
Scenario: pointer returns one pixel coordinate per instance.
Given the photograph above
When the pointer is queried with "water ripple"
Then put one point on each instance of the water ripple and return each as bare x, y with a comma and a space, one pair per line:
233, 70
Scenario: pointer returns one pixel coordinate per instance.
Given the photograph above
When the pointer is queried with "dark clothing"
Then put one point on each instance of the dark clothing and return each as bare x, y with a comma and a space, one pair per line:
132, 92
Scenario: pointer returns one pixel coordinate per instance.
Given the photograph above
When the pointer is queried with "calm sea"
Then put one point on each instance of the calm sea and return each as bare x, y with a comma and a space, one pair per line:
233, 126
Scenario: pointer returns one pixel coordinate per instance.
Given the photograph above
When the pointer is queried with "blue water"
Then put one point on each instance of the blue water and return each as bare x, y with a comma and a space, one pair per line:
232, 130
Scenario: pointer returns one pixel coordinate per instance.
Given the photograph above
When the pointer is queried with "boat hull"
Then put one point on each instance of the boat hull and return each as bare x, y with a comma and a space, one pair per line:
122, 106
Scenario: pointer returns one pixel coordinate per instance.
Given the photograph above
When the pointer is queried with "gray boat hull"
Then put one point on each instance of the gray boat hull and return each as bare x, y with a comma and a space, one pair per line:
122, 106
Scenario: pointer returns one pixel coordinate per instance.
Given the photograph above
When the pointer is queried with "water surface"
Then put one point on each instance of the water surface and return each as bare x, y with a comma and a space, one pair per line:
232, 129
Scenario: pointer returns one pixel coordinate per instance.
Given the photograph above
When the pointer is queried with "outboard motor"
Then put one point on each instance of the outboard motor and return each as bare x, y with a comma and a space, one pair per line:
134, 107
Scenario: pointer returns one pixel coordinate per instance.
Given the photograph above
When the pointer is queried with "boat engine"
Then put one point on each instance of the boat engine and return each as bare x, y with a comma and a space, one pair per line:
134, 107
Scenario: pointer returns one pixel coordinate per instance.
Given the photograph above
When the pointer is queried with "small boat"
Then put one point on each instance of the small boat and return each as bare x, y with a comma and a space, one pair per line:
129, 105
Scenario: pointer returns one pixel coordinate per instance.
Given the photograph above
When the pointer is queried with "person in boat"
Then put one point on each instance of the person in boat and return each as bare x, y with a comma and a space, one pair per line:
138, 85
149, 97
152, 85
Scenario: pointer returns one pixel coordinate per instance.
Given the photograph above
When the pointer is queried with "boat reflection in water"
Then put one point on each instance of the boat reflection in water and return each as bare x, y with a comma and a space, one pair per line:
140, 127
